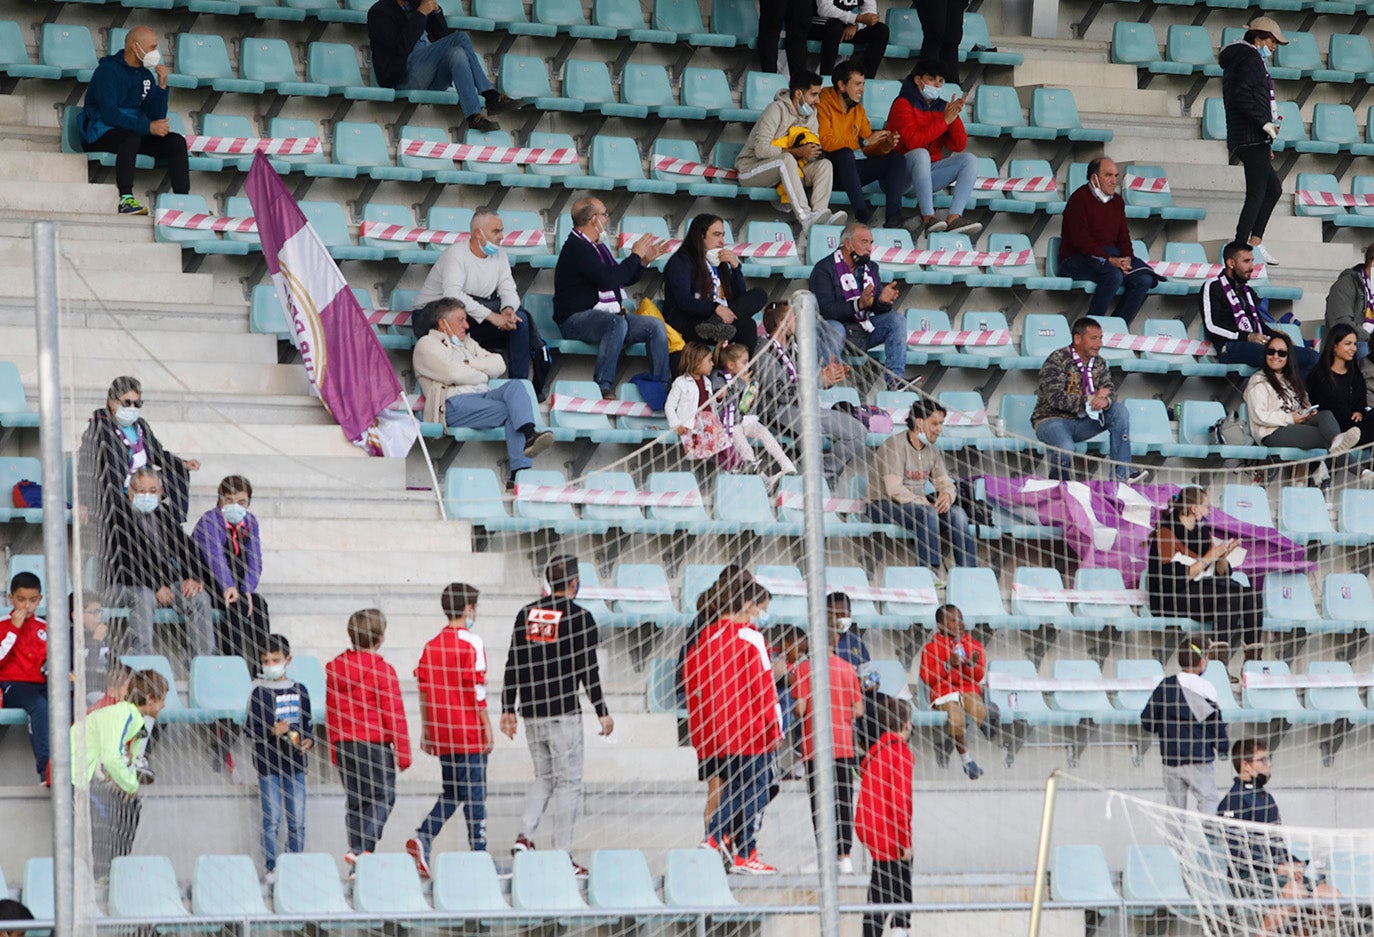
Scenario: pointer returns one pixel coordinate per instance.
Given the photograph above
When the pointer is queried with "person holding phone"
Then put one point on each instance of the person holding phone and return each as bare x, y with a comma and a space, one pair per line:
1281, 413
1190, 576
931, 135
1336, 384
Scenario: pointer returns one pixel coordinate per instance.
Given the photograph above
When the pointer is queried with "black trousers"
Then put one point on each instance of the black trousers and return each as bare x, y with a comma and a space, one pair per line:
870, 42
527, 356
128, 146
844, 802
1233, 612
889, 883
774, 16
368, 773
1262, 190
114, 823
942, 24
852, 175
244, 633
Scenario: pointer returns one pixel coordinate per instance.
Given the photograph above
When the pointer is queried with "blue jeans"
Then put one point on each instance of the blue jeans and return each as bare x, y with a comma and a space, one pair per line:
1252, 354
928, 527
368, 773
956, 169
1060, 435
745, 795
508, 405
612, 332
853, 174
141, 601
1109, 279
465, 783
278, 794
889, 330
33, 699
450, 61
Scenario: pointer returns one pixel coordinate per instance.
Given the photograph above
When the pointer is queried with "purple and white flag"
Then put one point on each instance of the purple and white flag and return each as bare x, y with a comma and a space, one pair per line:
345, 363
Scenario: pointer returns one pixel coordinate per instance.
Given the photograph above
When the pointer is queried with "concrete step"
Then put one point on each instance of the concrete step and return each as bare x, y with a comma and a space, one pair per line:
11, 112
88, 343
1071, 72
1099, 106
171, 377
321, 504
57, 199
57, 167
1131, 147
185, 290
316, 569
293, 474
366, 537
256, 439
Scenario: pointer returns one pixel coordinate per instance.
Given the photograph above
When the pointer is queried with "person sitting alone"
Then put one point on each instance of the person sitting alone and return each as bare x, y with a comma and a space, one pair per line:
1095, 244
953, 666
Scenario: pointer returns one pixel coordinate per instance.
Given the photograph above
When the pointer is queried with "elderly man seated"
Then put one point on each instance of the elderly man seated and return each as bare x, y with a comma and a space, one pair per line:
455, 374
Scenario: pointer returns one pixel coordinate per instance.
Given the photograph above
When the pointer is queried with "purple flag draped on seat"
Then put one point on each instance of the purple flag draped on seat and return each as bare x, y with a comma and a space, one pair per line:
344, 362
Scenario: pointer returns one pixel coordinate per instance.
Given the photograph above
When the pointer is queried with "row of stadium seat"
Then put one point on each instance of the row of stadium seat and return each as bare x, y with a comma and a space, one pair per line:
1188, 50
1333, 129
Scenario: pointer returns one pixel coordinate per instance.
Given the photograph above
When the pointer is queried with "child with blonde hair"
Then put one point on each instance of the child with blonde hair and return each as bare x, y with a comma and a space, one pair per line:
738, 404
692, 411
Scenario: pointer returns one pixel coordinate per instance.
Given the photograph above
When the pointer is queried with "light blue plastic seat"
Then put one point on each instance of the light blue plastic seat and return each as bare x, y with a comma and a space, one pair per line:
1053, 612
199, 241
525, 220
1015, 411
620, 878
269, 61
1247, 503
475, 495
904, 33
1335, 123
38, 888
543, 881
834, 524
1300, 58
1040, 335
308, 671
683, 17
970, 276
933, 320
760, 88
1081, 874
308, 884
1026, 706
1096, 615
1213, 119
879, 93
174, 711
466, 884
329, 222
741, 503
1144, 204
1027, 275
693, 185
363, 146
558, 516
524, 76
626, 17
787, 609
671, 519
884, 238
1293, 135
975, 591
977, 44
1094, 704
312, 164
590, 580
997, 112
226, 886
387, 883
440, 170
661, 612
1351, 53
1055, 109
1288, 603
660, 687
1188, 49
1282, 701
968, 402
1352, 875
220, 687
648, 86
1150, 428
737, 18
14, 469
594, 426
1135, 44
846, 579
567, 16
908, 614
589, 81
1342, 702
509, 16
265, 315
145, 887
696, 579
69, 49
695, 878
234, 125
14, 55
985, 355
1303, 517
1131, 669
617, 159
650, 427
1346, 601
378, 213
1052, 202
1152, 873
708, 88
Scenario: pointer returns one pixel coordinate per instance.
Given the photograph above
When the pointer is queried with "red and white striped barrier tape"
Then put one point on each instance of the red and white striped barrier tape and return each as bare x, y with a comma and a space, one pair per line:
519, 155
792, 500
1012, 683
966, 418
1146, 183
565, 495
1259, 680
566, 404
388, 317
380, 231
1079, 596
246, 146
685, 167
658, 593
1028, 184
199, 221
974, 339
1161, 344
1308, 197
903, 256
627, 240
1186, 271
765, 249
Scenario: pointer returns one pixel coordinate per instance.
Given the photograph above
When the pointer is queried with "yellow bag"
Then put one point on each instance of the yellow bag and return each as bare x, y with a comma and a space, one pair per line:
647, 307
795, 136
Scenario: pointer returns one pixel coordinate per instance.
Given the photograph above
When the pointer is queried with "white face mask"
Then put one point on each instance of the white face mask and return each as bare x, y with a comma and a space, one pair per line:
923, 438
152, 59
804, 109
273, 671
844, 624
713, 257
930, 92
234, 513
126, 416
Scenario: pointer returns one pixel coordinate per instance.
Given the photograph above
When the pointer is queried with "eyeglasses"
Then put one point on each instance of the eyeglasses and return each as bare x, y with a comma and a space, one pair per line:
136, 404
1276, 352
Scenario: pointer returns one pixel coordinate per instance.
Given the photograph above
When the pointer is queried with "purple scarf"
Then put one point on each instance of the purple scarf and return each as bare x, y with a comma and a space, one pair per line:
785, 358
851, 283
1086, 370
1240, 309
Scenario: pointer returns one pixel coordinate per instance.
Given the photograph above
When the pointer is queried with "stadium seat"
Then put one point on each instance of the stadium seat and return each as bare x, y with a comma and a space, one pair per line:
1280, 702
200, 241
694, 878
683, 17
145, 887
1246, 503
1051, 202
1015, 412
269, 61
509, 16
1025, 706
556, 515
1080, 874
1300, 58
1152, 873
1213, 119
378, 213
363, 147
524, 76
1351, 53
312, 164
475, 495
615, 160
1288, 603
439, 169
387, 883
1150, 429
985, 355
38, 889
174, 711
1098, 614
220, 687
1357, 512
626, 17
14, 55
1303, 517
904, 33
693, 185
688, 519
67, 48
997, 113
308, 884
265, 314
736, 18
877, 101
759, 90
1026, 275
353, 11
741, 503
660, 689
1293, 135
1135, 44
1041, 334
589, 81
1335, 123
650, 427
466, 883
1055, 109
1146, 669
965, 402
1094, 704
567, 16
1159, 204
906, 614
707, 88
660, 612
854, 525
335, 65
620, 878
1044, 612
1346, 601
1188, 49
975, 591
329, 222
1341, 702
969, 276
307, 670
977, 44
543, 881
594, 426
226, 886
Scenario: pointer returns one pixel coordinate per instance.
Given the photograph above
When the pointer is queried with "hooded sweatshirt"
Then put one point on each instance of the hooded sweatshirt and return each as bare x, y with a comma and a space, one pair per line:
121, 95
921, 124
780, 115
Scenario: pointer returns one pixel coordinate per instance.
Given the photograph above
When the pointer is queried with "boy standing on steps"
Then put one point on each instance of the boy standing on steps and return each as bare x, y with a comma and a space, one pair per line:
278, 724
882, 816
452, 675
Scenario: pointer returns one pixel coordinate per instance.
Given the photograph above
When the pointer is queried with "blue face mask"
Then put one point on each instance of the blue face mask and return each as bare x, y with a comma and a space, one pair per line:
805, 110
234, 513
1266, 53
930, 92
145, 503
490, 249
763, 618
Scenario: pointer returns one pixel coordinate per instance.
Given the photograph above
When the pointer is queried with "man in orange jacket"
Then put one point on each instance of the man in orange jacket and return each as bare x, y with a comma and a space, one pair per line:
931, 134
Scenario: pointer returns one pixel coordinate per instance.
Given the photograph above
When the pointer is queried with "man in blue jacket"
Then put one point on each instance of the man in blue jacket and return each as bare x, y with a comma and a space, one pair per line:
125, 113
855, 305
1183, 712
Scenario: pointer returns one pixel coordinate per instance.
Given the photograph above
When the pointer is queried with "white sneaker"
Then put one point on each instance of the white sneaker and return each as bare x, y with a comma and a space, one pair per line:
1263, 254
1346, 441
972, 228
846, 866
896, 932
1367, 477
836, 217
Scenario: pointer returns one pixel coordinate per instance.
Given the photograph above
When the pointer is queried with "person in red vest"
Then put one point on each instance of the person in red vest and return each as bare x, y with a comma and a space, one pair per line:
882, 816
24, 663
953, 665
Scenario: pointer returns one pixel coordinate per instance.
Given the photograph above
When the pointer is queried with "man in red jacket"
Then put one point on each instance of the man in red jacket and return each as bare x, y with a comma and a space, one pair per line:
1095, 244
931, 134
953, 665
24, 663
882, 816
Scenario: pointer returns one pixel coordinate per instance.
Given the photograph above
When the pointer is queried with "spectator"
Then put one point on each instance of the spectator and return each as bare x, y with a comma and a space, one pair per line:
931, 134
1074, 403
113, 738
1183, 711
1096, 244
11, 910
784, 150
117, 441
691, 410
589, 295
882, 816
856, 305
942, 32
1231, 314
734, 719
1190, 575
776, 372
774, 17
844, 128
552, 653
850, 644
24, 663
227, 536
1252, 124
953, 667
737, 405
1351, 300
150, 562
125, 113
852, 21
94, 645
116, 687
279, 725
906, 467
1280, 412
413, 49
477, 274
452, 677
366, 726
704, 293
846, 705
1336, 385
454, 372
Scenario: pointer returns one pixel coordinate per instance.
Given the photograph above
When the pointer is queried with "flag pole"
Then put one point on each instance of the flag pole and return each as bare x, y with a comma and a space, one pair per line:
429, 462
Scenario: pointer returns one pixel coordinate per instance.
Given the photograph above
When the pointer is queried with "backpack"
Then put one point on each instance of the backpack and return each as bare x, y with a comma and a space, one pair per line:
27, 494
1231, 430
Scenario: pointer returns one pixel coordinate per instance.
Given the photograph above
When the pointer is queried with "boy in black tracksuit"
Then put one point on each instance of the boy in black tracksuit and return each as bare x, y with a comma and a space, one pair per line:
278, 724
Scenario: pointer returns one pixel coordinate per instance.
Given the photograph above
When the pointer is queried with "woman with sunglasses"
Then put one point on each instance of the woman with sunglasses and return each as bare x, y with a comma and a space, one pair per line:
1337, 386
1281, 414
118, 441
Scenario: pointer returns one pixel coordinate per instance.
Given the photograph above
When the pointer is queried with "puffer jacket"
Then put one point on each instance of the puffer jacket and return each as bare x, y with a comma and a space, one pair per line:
1245, 92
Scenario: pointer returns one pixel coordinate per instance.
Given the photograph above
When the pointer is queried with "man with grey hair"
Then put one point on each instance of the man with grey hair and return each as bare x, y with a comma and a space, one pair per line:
477, 273
855, 305
589, 295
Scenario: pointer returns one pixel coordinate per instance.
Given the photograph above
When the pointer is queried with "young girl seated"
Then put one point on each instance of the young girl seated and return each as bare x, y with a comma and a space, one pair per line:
691, 412
738, 404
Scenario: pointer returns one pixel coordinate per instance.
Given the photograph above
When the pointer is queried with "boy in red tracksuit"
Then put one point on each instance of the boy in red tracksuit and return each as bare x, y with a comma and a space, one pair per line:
24, 663
733, 717
367, 731
953, 665
882, 817
931, 134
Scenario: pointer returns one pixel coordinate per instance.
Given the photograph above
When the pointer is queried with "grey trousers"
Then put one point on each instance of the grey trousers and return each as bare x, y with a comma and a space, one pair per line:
1198, 779
555, 744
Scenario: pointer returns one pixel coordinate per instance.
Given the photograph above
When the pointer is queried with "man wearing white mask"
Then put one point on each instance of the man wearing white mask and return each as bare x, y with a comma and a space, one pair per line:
149, 562
477, 273
589, 295
1096, 244
125, 113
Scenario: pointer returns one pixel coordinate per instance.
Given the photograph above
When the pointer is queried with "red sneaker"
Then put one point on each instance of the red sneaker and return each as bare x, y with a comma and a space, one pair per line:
579, 871
418, 852
753, 865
